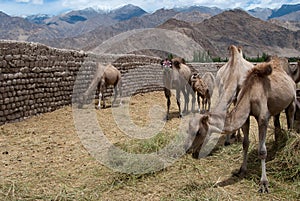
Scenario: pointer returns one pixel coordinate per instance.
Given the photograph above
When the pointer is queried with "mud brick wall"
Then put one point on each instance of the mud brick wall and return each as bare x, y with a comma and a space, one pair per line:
35, 78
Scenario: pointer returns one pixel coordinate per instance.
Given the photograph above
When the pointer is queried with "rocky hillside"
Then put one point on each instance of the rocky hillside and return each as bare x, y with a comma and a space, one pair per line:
240, 28
211, 28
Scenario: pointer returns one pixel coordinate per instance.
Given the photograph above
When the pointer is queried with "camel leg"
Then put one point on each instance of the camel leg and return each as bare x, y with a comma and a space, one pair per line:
178, 102
203, 104
290, 112
277, 127
186, 99
115, 94
101, 96
168, 95
99, 103
193, 100
103, 100
120, 90
246, 143
209, 102
198, 100
227, 140
262, 153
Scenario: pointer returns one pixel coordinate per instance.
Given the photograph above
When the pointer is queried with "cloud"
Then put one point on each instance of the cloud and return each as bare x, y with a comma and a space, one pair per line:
27, 7
39, 2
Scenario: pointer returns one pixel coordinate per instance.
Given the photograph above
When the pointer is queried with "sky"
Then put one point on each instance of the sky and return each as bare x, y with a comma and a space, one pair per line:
54, 7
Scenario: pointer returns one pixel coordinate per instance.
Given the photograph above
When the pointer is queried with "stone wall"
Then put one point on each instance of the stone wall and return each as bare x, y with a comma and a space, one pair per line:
35, 78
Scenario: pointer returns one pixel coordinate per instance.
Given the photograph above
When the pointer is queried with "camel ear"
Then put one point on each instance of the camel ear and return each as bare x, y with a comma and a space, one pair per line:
183, 60
240, 49
176, 64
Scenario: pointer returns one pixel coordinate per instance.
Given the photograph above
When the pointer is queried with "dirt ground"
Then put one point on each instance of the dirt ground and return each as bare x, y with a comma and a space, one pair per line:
43, 158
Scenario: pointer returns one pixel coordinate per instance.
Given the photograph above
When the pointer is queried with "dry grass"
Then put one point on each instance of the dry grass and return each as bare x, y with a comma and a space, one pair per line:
42, 158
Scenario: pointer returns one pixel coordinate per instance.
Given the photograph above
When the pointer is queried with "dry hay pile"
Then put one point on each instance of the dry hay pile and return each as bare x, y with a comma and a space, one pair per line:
42, 158
286, 164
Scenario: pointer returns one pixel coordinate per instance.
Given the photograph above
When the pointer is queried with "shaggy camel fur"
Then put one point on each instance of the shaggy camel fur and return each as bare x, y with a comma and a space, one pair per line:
104, 77
201, 89
176, 76
229, 79
266, 91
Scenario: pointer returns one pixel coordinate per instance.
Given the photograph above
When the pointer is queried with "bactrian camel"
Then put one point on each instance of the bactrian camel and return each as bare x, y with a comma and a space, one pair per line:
176, 75
266, 91
209, 79
104, 77
293, 72
229, 79
203, 87
200, 89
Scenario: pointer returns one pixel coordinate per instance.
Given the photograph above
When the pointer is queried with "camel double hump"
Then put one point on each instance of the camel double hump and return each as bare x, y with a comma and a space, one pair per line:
104, 77
266, 91
229, 80
176, 75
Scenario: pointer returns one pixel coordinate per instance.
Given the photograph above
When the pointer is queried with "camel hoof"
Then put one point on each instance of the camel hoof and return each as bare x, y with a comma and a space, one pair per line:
264, 187
195, 155
226, 143
240, 173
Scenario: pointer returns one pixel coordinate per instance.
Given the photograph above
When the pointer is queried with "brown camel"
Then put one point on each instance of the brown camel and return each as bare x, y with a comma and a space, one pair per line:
266, 91
176, 75
201, 89
104, 77
204, 87
209, 79
294, 73
229, 79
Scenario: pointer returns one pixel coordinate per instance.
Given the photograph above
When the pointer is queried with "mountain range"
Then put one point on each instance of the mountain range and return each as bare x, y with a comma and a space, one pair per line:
258, 30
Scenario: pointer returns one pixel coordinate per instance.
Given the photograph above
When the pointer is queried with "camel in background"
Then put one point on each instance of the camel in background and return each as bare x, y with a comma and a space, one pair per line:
229, 80
203, 87
209, 79
266, 91
104, 77
294, 73
176, 75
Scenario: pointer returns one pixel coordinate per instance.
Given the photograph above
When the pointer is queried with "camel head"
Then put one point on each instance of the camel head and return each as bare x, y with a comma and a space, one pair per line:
199, 85
169, 64
166, 64
200, 126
